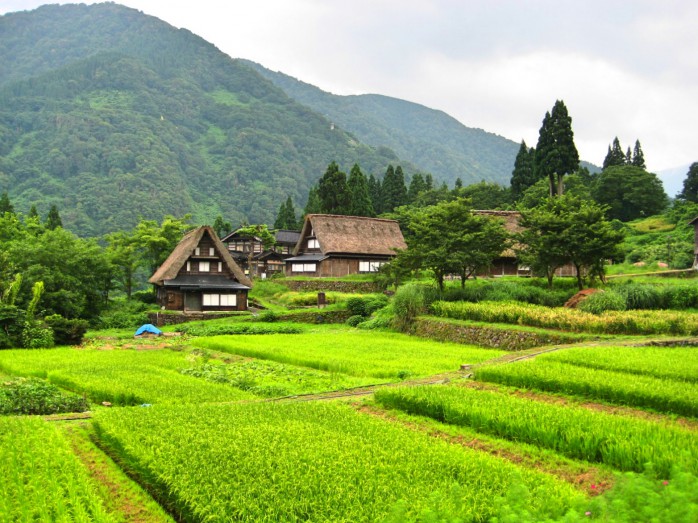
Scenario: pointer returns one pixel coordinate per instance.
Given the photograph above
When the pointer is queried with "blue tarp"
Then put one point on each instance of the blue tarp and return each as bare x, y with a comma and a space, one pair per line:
148, 328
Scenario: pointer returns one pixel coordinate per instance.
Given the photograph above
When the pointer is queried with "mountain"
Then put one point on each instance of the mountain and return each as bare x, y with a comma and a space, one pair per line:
114, 115
431, 139
673, 179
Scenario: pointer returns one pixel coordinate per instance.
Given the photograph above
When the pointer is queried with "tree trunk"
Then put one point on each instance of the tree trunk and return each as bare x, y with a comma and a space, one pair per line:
560, 186
580, 280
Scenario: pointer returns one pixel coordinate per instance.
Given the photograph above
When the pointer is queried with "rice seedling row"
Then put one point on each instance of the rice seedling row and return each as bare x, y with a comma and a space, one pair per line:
356, 353
308, 462
610, 322
621, 442
42, 480
676, 363
121, 377
663, 395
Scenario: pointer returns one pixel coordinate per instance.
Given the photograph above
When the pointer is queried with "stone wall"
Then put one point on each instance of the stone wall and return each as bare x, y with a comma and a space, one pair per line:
364, 287
160, 318
487, 336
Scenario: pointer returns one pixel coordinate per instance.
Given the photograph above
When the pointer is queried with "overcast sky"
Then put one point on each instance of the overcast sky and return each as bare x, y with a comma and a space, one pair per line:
623, 68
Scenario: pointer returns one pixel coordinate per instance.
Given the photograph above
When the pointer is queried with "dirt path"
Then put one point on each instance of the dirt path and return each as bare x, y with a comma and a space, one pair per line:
121, 495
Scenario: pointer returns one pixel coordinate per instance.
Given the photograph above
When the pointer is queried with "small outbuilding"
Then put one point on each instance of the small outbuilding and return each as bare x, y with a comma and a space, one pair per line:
200, 275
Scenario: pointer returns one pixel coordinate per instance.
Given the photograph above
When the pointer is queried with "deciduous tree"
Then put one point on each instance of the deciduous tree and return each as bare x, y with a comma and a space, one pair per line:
630, 192
690, 185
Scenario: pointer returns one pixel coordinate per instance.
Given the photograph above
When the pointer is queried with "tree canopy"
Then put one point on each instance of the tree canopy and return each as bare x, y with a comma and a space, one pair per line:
629, 192
556, 155
690, 185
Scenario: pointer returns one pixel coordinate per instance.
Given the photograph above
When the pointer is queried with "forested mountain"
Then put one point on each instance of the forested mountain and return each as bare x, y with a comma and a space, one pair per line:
431, 139
113, 115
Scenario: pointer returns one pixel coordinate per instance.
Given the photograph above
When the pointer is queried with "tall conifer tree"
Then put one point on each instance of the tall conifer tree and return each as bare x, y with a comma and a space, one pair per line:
53, 219
6, 204
638, 156
394, 189
334, 191
523, 176
375, 190
417, 185
556, 154
361, 204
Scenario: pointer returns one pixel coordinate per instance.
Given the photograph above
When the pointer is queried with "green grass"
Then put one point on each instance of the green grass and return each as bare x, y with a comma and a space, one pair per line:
623, 442
42, 480
312, 462
663, 395
354, 352
121, 377
675, 363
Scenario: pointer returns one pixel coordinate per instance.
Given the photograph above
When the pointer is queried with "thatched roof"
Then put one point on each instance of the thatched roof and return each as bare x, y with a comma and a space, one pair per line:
185, 248
352, 235
510, 220
694, 221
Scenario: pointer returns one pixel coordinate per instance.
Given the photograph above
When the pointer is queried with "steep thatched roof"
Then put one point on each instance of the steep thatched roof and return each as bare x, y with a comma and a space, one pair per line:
510, 220
185, 248
352, 235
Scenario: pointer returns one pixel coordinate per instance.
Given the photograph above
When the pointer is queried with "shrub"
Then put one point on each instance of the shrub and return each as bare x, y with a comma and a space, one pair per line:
65, 331
408, 303
268, 316
354, 320
376, 303
638, 296
357, 306
35, 396
36, 335
123, 314
603, 301
148, 296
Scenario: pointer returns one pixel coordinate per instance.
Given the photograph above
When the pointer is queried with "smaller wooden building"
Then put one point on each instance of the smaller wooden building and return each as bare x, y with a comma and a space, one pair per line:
249, 254
201, 275
331, 245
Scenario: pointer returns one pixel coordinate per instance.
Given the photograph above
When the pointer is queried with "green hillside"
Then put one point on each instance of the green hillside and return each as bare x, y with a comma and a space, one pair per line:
113, 115
432, 139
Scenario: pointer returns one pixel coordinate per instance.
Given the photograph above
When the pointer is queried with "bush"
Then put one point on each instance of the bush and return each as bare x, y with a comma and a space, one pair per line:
123, 314
35, 396
36, 335
603, 301
376, 303
353, 321
148, 297
268, 316
11, 321
357, 306
409, 302
65, 331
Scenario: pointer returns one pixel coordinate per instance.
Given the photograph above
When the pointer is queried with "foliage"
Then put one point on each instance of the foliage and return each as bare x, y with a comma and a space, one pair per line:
623, 442
556, 154
119, 106
361, 204
393, 189
409, 302
611, 322
523, 290
313, 462
44, 480
523, 176
690, 185
123, 314
218, 329
286, 217
428, 138
486, 195
632, 389
34, 396
354, 352
600, 302
567, 229
66, 331
448, 238
36, 335
121, 377
333, 191
630, 192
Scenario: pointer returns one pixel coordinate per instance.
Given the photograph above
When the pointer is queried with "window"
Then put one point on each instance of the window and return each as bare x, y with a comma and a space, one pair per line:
211, 300
229, 300
220, 300
211, 251
188, 266
313, 244
220, 266
204, 266
370, 265
303, 267
197, 251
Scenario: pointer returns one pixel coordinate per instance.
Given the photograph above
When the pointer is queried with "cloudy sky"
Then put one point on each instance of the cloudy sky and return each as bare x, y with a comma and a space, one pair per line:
626, 68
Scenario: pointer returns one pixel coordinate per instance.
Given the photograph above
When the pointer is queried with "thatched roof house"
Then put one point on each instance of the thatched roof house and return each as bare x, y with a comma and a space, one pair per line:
334, 245
507, 264
200, 275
